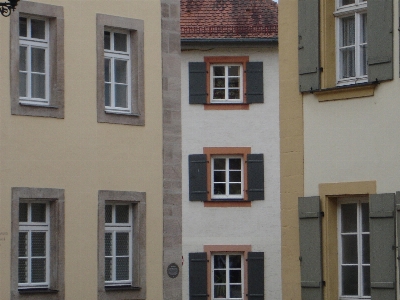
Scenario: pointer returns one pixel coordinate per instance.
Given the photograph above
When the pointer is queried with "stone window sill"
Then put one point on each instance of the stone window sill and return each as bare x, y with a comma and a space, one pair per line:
346, 92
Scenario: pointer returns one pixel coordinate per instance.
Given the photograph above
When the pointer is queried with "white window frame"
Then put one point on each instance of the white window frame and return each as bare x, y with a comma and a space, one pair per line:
226, 88
113, 228
114, 55
30, 43
360, 263
227, 282
357, 9
227, 194
31, 227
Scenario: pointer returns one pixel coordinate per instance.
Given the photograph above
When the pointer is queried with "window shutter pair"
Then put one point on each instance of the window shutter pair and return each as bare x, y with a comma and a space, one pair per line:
198, 76
382, 246
198, 276
198, 177
380, 42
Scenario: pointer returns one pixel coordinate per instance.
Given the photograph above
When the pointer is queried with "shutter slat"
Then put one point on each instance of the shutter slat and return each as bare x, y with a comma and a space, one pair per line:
380, 40
310, 248
382, 250
197, 83
198, 177
255, 177
198, 276
308, 50
254, 82
255, 280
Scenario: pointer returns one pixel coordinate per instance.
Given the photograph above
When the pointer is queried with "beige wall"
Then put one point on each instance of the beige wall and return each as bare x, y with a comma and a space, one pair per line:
82, 156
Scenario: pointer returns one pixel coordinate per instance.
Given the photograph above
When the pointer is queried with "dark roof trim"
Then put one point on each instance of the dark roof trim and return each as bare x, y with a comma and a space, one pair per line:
246, 42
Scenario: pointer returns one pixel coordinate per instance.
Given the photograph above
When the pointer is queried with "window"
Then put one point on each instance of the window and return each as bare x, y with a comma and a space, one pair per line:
33, 245
226, 82
118, 244
38, 239
351, 16
354, 271
224, 174
122, 245
226, 272
120, 70
37, 60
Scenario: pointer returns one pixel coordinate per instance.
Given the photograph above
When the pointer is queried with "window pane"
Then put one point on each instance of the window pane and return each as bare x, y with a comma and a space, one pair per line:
107, 70
219, 71
219, 82
347, 2
108, 243
38, 60
234, 94
23, 212
363, 58
219, 164
22, 58
349, 280
348, 31
107, 41
121, 96
363, 28
122, 271
235, 164
219, 261
219, 276
235, 276
120, 71
348, 62
23, 244
235, 261
23, 27
219, 94
366, 281
22, 84
219, 291
219, 189
236, 291
219, 176
22, 270
38, 29
233, 71
122, 213
38, 212
38, 86
233, 82
122, 243
235, 176
108, 269
349, 249
38, 270
235, 189
120, 42
365, 217
108, 213
349, 217
38, 243
107, 94
365, 248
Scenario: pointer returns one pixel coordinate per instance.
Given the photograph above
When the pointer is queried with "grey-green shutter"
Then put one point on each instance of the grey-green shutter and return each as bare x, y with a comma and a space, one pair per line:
255, 177
380, 40
309, 65
198, 276
310, 248
197, 83
197, 177
398, 223
382, 246
254, 82
255, 279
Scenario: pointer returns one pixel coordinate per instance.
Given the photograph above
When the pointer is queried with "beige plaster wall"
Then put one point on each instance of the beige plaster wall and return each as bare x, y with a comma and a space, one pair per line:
82, 156
291, 135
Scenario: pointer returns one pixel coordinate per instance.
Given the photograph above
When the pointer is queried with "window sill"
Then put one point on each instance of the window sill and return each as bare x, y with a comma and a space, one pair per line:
346, 92
37, 105
37, 291
227, 203
226, 106
113, 112
122, 288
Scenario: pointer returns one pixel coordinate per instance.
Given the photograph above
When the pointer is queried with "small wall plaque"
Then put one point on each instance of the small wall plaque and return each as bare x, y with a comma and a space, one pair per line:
173, 270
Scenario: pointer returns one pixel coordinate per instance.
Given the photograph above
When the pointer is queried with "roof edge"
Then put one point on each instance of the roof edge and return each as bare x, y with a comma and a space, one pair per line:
243, 42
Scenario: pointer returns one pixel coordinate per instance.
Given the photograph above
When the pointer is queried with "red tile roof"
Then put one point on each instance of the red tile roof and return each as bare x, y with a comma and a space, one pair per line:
219, 19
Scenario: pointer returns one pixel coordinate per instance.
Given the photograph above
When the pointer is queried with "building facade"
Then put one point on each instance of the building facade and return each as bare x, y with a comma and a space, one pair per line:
339, 77
230, 150
85, 128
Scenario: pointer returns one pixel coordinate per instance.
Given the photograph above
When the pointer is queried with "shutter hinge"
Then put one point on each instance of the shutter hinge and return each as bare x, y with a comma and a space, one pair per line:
323, 283
300, 258
394, 247
322, 214
321, 69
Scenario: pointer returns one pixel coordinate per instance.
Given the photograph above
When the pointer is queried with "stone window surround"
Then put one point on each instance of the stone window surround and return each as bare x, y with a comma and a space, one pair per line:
136, 30
138, 288
55, 198
55, 15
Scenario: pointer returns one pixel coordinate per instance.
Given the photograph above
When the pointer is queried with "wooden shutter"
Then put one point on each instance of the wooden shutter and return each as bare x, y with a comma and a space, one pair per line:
382, 246
197, 83
310, 248
254, 82
198, 276
380, 40
308, 48
255, 279
255, 177
398, 224
197, 177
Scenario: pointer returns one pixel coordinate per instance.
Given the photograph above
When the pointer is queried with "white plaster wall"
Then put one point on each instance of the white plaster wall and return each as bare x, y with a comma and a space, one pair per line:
355, 140
258, 128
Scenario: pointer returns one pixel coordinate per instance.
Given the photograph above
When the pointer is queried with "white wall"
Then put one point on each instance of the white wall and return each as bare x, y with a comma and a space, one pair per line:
257, 128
